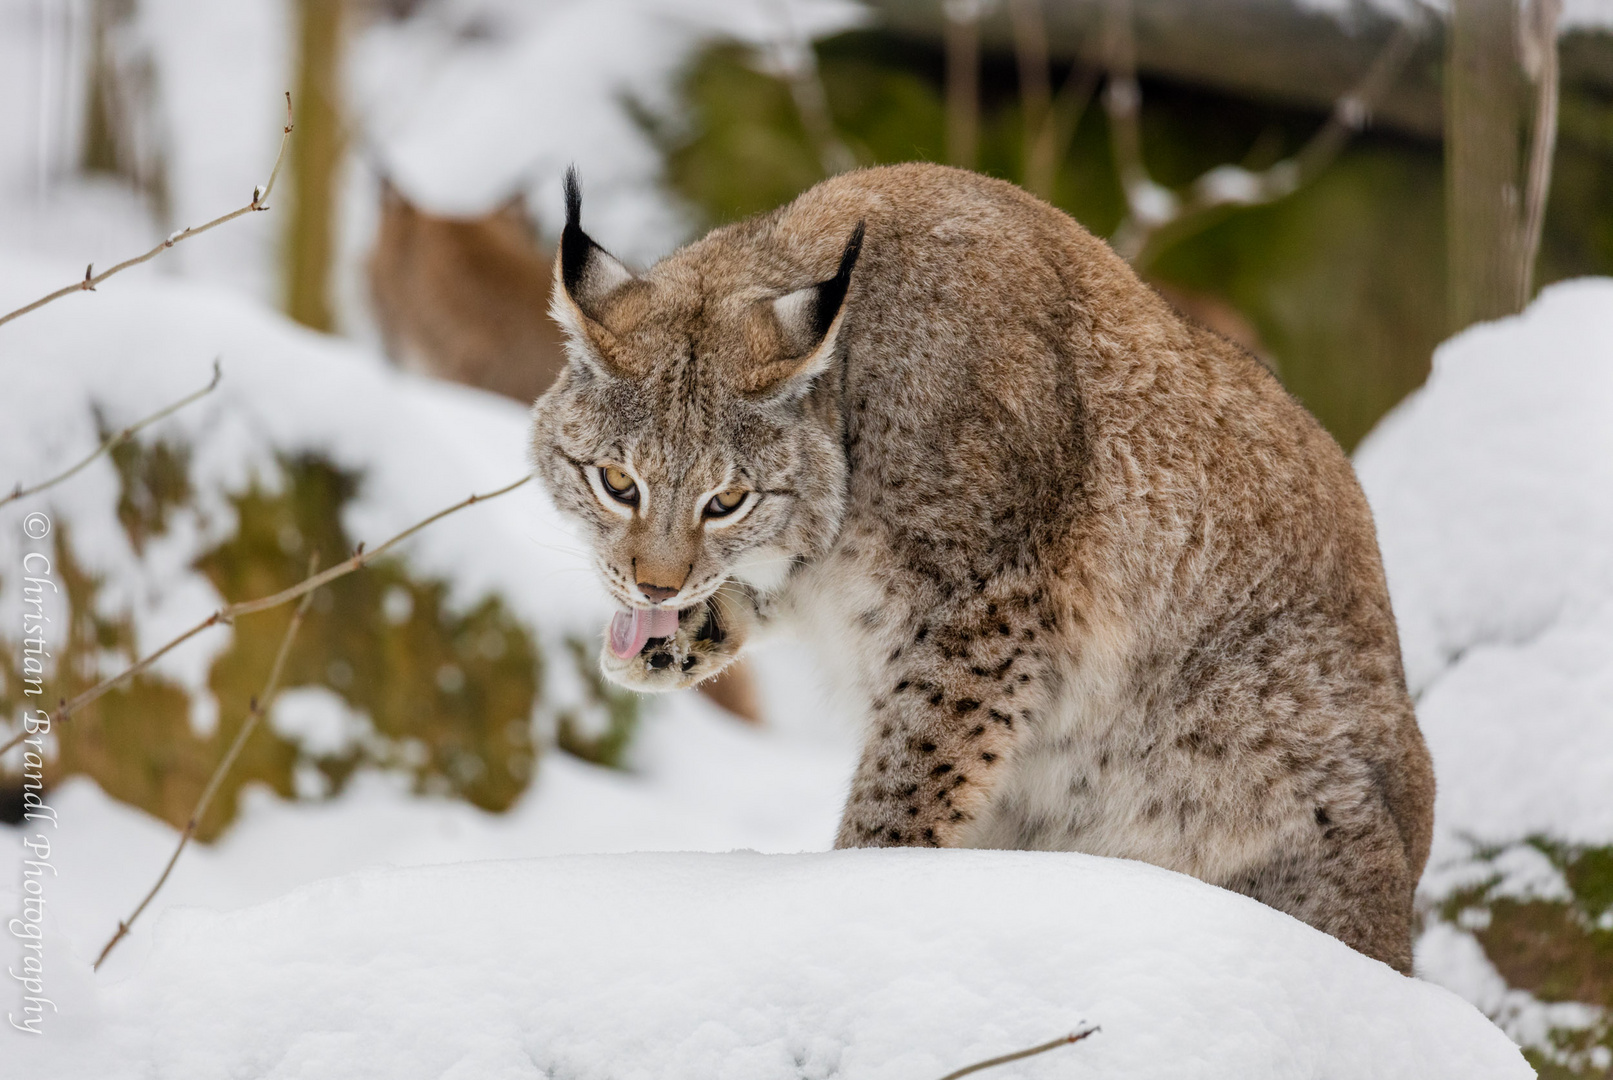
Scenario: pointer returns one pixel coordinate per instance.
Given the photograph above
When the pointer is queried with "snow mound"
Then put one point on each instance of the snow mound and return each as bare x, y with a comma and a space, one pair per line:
1493, 492
875, 964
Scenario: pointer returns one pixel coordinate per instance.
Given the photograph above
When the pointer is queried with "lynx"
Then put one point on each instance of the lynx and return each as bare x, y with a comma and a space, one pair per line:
464, 299
1092, 579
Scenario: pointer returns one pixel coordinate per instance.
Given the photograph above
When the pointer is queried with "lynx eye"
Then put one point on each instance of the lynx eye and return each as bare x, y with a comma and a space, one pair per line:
620, 486
724, 503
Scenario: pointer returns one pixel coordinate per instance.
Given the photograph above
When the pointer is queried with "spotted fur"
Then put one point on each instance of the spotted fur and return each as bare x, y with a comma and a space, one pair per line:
1093, 580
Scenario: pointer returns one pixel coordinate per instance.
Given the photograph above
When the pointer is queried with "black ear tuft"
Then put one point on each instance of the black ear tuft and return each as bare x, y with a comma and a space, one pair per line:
573, 198
832, 293
574, 243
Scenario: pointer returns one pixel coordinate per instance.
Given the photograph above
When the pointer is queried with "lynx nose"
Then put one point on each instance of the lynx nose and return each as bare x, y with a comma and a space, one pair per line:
656, 593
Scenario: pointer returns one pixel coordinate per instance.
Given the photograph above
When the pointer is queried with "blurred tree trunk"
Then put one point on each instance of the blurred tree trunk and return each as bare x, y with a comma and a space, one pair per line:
119, 135
1484, 96
962, 40
100, 149
316, 154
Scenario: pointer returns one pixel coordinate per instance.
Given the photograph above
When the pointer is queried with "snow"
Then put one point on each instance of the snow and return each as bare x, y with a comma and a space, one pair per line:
1493, 492
289, 949
368, 935
874, 964
1590, 15
135, 346
514, 93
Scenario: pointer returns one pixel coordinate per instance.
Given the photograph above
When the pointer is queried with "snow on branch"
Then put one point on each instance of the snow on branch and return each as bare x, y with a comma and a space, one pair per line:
359, 559
1157, 216
1062, 1040
259, 706
117, 440
91, 279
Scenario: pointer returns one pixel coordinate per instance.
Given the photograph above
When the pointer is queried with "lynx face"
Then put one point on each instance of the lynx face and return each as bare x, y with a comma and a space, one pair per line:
685, 437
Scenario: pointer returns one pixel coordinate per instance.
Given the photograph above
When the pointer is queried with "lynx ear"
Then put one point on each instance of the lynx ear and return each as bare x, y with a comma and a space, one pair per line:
590, 285
805, 324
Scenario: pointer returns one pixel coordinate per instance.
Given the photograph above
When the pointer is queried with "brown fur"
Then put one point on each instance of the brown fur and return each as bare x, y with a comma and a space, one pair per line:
466, 299
1094, 580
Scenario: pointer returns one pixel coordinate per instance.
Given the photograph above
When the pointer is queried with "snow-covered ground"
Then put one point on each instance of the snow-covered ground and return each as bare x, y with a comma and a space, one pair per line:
873, 964
288, 948
1491, 491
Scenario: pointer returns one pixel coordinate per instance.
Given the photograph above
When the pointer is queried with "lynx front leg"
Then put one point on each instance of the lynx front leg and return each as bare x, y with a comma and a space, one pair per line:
943, 733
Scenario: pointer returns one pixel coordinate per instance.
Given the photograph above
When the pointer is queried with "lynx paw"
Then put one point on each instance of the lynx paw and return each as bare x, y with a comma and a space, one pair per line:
703, 644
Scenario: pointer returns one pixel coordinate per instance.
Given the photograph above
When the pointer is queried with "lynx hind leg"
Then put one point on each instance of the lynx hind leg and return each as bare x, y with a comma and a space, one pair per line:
956, 698
1348, 878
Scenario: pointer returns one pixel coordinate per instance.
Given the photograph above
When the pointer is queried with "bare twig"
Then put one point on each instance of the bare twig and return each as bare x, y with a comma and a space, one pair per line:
962, 18
1540, 37
1062, 1040
1157, 216
1035, 87
229, 612
799, 66
260, 705
117, 440
92, 279
1050, 120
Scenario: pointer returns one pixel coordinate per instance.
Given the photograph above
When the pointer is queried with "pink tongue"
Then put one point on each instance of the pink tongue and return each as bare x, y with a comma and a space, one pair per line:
629, 630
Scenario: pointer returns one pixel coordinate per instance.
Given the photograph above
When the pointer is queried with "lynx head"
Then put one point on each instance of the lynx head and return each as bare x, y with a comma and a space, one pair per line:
691, 433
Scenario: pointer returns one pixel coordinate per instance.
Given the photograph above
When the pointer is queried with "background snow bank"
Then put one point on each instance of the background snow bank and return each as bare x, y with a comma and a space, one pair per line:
421, 446
1493, 492
874, 964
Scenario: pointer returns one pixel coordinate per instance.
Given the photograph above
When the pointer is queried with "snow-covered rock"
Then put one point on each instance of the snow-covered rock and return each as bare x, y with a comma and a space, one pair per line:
885, 965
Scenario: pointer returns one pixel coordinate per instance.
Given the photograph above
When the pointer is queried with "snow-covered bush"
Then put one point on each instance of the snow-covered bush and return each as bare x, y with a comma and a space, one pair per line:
434, 664
1493, 491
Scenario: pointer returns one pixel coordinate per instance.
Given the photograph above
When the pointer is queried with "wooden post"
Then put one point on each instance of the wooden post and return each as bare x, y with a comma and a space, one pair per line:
310, 236
1484, 110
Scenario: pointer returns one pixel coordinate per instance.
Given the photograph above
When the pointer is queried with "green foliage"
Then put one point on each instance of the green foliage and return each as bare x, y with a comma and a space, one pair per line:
1342, 282
440, 692
1558, 950
154, 480
449, 694
619, 707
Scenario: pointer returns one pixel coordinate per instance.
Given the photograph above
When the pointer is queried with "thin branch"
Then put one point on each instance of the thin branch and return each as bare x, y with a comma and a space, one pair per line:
799, 65
92, 279
260, 704
1069, 106
1050, 120
118, 440
962, 19
1157, 216
1062, 1040
1542, 26
229, 612
1035, 88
